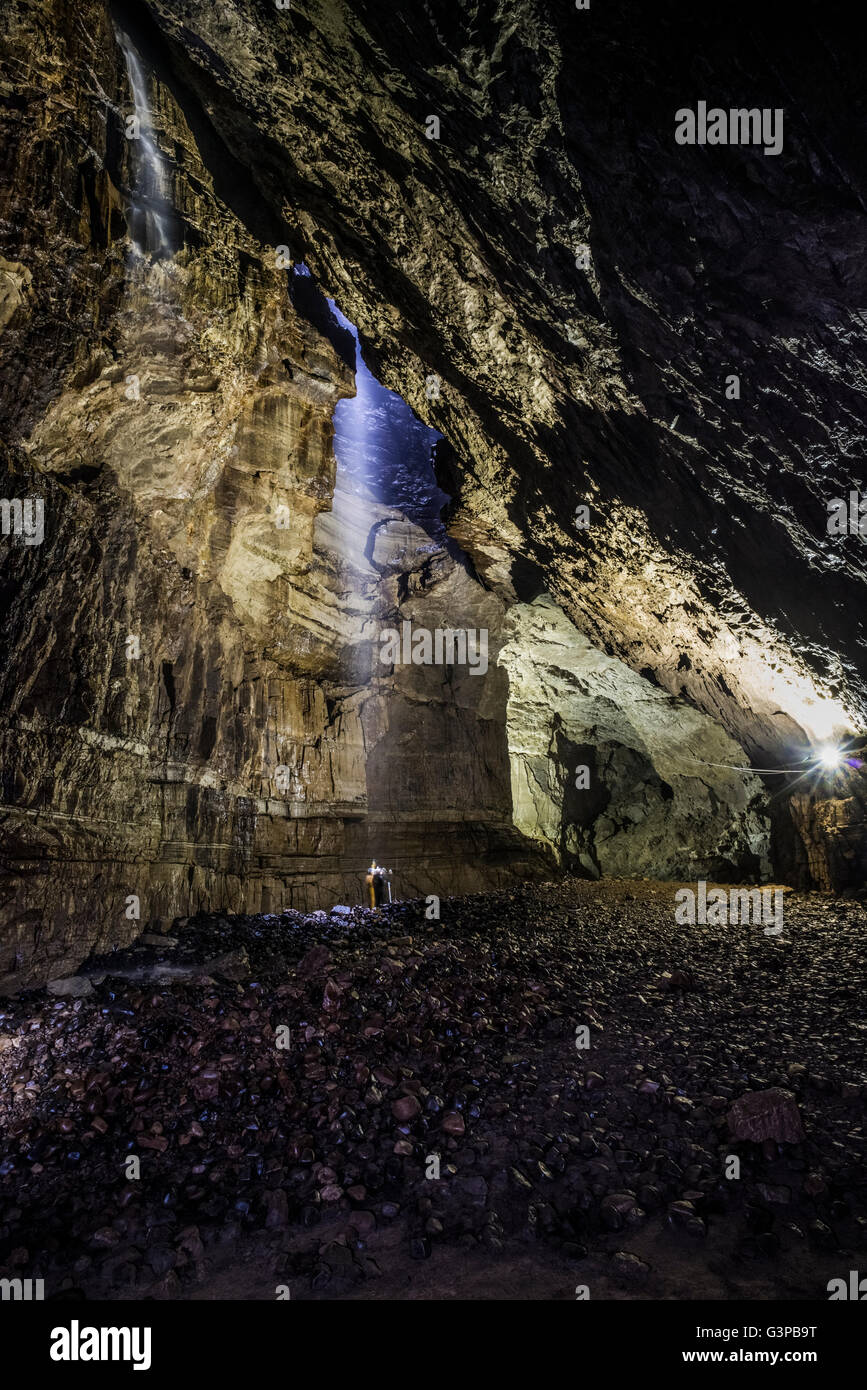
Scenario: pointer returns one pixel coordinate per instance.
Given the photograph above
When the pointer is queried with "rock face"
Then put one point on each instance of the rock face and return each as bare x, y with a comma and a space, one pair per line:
195, 709
707, 559
830, 850
196, 713
615, 774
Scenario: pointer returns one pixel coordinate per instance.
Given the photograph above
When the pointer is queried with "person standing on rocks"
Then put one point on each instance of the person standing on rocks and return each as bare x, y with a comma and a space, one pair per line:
376, 885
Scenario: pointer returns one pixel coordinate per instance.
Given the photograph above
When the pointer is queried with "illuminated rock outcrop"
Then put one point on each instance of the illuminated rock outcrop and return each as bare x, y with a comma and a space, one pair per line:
617, 775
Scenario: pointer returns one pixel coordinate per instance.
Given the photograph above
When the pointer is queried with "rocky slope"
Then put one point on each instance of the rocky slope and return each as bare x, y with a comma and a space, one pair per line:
285, 1082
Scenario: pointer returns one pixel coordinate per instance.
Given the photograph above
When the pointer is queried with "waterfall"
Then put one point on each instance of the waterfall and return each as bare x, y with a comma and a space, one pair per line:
150, 221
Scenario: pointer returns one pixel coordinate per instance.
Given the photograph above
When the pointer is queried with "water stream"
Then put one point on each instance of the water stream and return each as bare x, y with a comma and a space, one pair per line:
150, 208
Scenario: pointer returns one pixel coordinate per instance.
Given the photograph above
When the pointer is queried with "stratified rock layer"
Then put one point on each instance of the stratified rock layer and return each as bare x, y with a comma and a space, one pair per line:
194, 709
707, 559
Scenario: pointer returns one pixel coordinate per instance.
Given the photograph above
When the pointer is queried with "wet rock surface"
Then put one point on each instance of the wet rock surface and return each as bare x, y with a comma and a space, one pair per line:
366, 1103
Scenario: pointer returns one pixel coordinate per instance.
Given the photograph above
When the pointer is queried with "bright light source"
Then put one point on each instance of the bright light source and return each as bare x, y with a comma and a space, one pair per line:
830, 757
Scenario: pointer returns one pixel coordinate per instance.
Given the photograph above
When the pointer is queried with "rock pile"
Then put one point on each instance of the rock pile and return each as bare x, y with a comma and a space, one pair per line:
310, 1096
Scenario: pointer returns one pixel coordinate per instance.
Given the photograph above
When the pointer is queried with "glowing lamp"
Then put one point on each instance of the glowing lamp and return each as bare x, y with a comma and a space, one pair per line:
830, 758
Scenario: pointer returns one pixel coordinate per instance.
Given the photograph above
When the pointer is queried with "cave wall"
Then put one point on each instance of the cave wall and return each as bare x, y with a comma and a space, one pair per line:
168, 411
707, 560
616, 775
194, 712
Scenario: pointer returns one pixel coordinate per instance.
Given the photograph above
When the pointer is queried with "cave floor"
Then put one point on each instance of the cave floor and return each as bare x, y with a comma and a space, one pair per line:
297, 1162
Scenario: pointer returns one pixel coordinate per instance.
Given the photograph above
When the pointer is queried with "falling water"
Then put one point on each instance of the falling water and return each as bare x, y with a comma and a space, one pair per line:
385, 485
384, 452
150, 222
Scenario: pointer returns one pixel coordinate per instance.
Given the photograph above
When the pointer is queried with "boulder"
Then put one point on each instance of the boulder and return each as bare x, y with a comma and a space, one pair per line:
763, 1115
70, 987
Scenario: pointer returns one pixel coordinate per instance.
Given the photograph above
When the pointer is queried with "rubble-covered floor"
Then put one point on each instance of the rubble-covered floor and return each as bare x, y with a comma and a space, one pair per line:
304, 1167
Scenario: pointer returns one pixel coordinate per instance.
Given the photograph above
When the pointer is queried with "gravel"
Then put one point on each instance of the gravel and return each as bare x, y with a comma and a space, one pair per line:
321, 1097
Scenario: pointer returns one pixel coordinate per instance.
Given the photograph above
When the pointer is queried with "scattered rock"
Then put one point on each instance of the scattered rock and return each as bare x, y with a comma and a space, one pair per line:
70, 987
778, 1196
766, 1115
405, 1109
453, 1055
629, 1267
